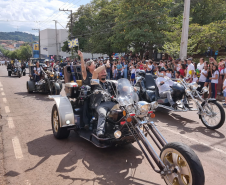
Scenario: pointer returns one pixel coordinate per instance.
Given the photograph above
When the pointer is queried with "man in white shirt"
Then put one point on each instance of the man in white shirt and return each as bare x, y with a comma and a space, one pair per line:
163, 83
201, 64
190, 68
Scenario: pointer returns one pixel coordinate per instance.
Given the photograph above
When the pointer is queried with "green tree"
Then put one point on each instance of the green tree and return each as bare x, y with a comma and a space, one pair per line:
24, 53
140, 24
104, 21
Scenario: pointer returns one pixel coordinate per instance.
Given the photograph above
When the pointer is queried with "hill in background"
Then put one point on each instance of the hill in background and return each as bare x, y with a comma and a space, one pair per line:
18, 36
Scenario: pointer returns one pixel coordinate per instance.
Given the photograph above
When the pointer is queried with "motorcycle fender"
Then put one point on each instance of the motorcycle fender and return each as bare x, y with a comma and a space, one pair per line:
57, 86
31, 85
65, 110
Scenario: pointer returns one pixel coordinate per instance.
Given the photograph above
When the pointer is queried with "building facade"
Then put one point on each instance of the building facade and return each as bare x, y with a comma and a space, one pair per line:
48, 45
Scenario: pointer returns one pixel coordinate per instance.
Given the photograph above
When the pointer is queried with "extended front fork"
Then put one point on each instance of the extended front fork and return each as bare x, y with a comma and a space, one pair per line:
156, 136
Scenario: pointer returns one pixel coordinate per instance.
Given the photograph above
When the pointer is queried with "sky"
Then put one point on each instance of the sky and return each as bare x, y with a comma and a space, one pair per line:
25, 15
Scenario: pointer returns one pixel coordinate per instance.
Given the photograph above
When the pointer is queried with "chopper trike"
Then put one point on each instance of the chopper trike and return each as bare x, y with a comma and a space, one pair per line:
49, 81
128, 121
14, 68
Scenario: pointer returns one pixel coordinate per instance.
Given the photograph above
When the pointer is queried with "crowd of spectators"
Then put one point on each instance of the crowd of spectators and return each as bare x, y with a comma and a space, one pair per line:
205, 73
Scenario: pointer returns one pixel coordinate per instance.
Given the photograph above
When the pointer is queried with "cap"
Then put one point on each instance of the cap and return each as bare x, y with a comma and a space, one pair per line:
190, 59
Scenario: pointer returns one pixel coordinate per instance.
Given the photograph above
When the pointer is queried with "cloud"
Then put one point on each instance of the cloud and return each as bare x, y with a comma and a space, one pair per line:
34, 13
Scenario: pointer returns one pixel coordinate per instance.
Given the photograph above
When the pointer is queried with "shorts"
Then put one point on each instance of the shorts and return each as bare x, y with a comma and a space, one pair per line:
208, 80
132, 76
224, 93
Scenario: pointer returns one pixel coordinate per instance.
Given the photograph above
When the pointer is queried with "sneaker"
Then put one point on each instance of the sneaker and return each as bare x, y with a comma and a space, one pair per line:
224, 104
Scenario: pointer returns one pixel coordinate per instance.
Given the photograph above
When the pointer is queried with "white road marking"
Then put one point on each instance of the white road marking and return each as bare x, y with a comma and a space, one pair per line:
3, 94
17, 149
7, 109
27, 182
1, 89
10, 122
4, 100
195, 140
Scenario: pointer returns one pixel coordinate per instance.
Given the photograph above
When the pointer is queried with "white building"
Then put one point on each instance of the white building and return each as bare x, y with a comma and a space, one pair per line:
48, 44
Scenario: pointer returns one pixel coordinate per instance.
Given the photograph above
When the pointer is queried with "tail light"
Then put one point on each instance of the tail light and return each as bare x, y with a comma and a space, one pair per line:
122, 123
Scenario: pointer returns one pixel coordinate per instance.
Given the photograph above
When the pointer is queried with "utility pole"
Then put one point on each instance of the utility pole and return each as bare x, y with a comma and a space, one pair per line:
38, 42
184, 36
56, 39
71, 18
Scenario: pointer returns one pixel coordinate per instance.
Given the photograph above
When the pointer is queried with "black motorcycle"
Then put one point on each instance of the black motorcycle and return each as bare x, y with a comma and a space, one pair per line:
210, 111
128, 121
15, 69
49, 82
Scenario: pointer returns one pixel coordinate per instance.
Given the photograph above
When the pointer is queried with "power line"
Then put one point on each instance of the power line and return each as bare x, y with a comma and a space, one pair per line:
54, 17
55, 12
69, 4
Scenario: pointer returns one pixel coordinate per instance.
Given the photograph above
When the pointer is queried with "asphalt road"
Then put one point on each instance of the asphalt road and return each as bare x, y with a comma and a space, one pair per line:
29, 154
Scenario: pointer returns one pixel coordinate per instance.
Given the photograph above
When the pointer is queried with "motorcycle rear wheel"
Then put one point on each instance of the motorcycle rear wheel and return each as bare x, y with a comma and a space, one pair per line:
19, 74
214, 123
185, 163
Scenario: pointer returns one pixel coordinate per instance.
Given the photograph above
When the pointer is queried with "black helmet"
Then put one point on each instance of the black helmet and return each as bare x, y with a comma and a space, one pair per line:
142, 73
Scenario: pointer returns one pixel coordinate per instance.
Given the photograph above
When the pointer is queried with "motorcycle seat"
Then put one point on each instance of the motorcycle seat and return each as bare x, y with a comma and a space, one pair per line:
151, 88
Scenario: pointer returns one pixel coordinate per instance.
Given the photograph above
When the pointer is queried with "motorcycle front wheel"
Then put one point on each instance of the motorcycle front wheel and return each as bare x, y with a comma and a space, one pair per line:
217, 119
186, 166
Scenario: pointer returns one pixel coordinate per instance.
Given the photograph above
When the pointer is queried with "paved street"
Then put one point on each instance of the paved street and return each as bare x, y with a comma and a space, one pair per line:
31, 154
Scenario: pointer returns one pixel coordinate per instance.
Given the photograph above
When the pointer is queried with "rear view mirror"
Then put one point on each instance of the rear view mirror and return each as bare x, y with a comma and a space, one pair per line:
95, 82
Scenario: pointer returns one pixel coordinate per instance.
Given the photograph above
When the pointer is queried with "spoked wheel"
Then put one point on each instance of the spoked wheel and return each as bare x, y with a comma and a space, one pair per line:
185, 164
214, 116
59, 132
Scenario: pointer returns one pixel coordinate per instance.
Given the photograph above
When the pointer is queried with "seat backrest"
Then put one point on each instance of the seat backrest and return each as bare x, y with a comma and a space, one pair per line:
68, 75
149, 80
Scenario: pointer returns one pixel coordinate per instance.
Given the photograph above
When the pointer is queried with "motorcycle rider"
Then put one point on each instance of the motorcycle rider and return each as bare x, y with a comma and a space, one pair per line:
100, 103
56, 66
37, 72
88, 70
163, 83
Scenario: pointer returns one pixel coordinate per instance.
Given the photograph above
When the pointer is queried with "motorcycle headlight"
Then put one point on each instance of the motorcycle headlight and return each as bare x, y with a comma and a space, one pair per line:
143, 107
129, 108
